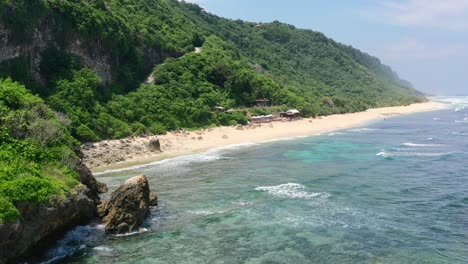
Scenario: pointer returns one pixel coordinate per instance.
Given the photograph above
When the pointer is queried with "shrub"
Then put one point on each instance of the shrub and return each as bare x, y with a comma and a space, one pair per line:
8, 211
157, 129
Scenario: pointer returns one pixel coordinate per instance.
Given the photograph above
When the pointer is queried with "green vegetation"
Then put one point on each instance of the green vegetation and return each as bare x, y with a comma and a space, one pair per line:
36, 150
239, 63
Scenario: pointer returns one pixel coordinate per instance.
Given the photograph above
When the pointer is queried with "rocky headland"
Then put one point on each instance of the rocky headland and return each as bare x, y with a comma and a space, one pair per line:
40, 225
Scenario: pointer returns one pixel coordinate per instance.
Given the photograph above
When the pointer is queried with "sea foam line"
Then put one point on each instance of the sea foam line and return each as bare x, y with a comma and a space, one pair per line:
209, 155
410, 144
291, 190
387, 154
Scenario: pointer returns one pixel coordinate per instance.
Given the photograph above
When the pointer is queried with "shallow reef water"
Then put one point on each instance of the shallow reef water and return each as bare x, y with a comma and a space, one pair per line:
394, 191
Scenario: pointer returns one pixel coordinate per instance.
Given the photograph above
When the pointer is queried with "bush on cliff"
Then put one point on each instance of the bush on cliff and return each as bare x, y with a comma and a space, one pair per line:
36, 150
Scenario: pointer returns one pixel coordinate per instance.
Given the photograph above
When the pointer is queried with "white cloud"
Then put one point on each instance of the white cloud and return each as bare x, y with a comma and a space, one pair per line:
449, 15
411, 48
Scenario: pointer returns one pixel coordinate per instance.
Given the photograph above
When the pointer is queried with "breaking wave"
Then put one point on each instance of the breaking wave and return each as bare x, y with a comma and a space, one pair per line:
410, 144
291, 190
76, 242
389, 154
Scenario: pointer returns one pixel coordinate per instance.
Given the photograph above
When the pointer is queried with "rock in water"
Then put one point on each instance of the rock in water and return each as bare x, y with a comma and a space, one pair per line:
153, 199
128, 206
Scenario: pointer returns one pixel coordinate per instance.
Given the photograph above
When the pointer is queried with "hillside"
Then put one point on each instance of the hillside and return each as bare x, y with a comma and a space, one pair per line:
88, 60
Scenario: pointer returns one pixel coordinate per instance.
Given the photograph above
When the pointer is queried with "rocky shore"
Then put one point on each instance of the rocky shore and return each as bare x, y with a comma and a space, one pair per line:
40, 225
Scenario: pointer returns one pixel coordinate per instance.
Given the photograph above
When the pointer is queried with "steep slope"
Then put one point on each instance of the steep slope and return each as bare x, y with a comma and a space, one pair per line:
46, 44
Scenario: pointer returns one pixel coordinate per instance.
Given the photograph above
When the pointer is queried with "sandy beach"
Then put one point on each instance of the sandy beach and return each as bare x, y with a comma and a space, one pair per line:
115, 154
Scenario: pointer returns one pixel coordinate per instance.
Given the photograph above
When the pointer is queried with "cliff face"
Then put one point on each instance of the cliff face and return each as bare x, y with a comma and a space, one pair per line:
43, 36
41, 224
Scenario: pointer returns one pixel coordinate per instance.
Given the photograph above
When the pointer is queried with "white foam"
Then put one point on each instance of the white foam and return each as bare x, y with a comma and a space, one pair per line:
207, 156
205, 212
140, 231
383, 154
410, 144
291, 190
459, 133
387, 154
103, 249
177, 161
363, 129
76, 240
435, 118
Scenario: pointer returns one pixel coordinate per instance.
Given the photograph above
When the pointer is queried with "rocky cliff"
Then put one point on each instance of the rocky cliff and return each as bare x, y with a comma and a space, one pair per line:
42, 223
44, 36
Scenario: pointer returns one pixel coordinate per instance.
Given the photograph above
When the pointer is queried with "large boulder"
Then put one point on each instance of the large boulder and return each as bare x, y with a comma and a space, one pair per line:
128, 206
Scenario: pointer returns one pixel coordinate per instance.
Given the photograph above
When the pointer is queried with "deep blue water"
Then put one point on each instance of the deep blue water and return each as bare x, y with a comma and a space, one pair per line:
394, 191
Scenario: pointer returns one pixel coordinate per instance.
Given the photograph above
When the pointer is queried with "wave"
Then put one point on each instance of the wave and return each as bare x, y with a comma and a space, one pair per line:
363, 129
207, 156
388, 154
140, 231
291, 190
103, 249
460, 133
77, 241
410, 144
205, 212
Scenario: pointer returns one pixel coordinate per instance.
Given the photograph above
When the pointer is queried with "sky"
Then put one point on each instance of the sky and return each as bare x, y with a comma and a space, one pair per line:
424, 41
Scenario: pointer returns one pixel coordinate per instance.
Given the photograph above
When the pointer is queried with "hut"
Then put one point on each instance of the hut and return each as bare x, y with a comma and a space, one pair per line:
219, 109
291, 114
262, 102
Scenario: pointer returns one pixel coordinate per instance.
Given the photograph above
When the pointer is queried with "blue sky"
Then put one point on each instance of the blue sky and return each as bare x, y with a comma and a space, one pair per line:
424, 41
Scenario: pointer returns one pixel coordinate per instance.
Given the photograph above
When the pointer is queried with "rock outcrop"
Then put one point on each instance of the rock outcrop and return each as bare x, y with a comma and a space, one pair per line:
155, 145
41, 224
128, 206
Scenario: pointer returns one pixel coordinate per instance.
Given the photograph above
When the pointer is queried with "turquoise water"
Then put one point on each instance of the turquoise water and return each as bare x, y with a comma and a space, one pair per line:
394, 191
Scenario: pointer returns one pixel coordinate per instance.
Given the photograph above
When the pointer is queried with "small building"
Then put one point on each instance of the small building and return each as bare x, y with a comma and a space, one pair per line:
258, 25
262, 102
291, 114
219, 109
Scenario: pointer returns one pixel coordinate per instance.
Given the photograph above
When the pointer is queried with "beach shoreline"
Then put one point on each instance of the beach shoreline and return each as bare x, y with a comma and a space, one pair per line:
119, 154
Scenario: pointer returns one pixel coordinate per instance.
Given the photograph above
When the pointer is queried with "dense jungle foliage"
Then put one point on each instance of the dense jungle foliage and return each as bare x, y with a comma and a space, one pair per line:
36, 150
239, 62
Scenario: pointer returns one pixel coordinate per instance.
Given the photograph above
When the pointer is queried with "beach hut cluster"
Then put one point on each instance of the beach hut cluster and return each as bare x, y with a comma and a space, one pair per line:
290, 114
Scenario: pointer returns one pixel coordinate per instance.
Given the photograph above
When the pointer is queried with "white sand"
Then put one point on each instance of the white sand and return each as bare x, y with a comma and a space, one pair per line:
133, 151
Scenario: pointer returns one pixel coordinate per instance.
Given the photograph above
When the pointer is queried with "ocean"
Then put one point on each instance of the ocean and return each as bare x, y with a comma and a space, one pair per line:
392, 191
